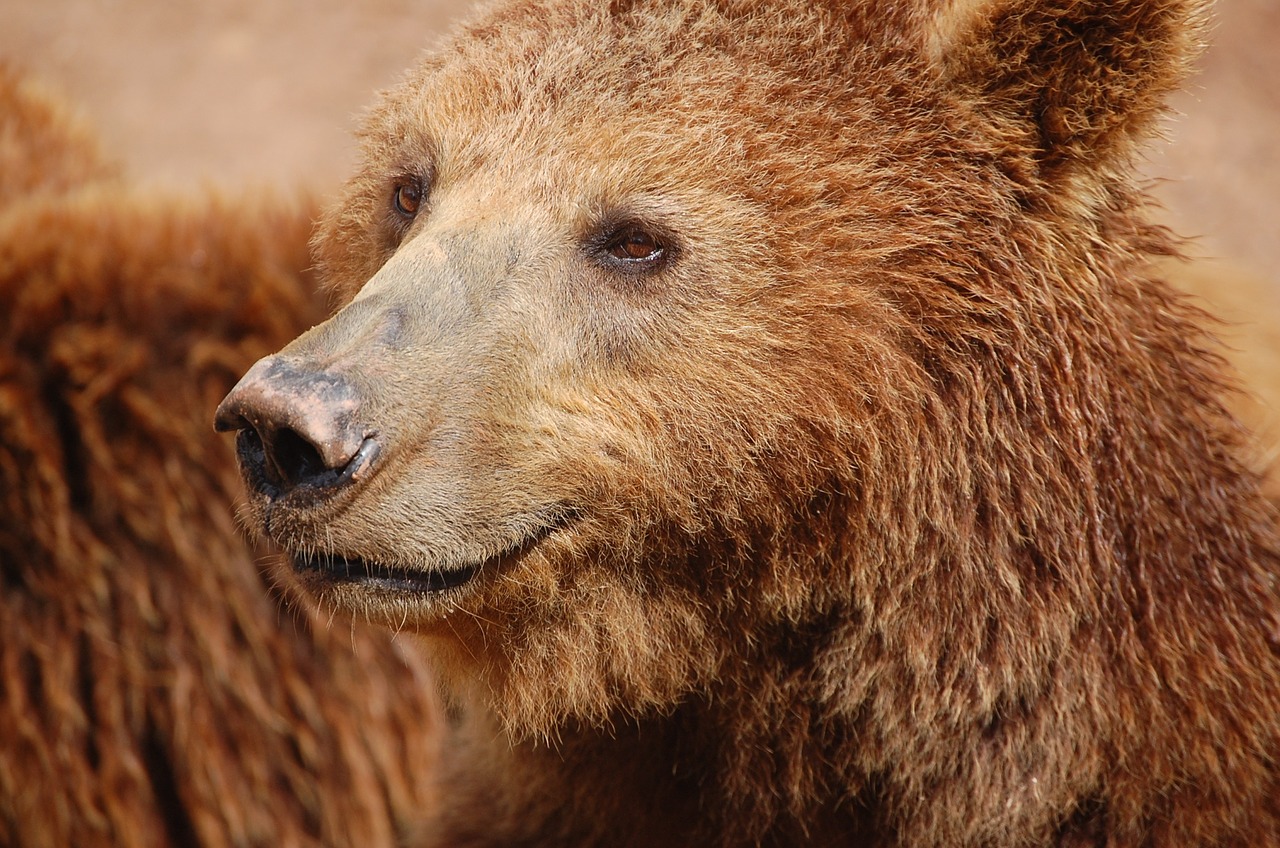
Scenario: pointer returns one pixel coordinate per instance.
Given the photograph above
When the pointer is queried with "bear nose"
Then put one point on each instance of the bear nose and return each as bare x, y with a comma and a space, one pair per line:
298, 426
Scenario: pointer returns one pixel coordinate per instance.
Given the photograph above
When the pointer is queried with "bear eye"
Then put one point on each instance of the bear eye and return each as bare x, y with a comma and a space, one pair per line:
634, 245
407, 197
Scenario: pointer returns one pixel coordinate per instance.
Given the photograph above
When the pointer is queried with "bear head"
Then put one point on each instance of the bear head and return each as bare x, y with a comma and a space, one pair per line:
671, 333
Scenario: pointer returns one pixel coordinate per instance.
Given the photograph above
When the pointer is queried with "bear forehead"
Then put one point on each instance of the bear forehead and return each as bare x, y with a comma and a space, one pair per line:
581, 83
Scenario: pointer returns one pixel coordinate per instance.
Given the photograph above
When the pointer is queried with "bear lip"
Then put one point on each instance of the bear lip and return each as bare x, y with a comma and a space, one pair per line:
338, 568
355, 570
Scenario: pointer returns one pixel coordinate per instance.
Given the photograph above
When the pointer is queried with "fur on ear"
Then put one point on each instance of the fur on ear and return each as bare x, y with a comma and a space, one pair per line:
1082, 80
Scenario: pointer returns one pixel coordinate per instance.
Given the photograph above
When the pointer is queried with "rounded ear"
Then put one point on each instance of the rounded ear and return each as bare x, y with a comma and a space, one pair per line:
1085, 78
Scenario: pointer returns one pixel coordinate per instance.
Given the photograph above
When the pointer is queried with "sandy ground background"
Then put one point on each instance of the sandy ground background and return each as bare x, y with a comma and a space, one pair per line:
268, 91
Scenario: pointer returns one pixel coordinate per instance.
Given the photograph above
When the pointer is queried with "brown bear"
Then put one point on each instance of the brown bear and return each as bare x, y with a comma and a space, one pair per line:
151, 692
771, 417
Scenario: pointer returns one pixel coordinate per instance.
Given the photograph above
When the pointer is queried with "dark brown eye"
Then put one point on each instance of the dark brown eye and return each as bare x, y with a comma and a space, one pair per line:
631, 244
407, 197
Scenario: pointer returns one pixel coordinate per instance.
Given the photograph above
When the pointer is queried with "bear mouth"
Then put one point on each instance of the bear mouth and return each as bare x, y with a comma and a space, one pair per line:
341, 569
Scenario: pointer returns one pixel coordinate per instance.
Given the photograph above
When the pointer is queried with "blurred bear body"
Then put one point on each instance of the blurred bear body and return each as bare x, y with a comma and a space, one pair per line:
151, 691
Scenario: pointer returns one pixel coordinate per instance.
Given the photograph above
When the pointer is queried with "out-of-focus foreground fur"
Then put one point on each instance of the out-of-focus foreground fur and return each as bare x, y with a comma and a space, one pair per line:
151, 692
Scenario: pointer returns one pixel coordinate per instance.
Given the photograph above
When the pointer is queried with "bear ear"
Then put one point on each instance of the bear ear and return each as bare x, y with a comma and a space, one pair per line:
1084, 80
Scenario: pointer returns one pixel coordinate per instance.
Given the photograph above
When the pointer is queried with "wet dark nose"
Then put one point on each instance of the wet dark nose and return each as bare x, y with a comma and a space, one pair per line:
298, 427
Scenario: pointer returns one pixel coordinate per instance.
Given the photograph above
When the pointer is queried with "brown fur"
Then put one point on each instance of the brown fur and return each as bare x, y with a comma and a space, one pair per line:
150, 691
899, 506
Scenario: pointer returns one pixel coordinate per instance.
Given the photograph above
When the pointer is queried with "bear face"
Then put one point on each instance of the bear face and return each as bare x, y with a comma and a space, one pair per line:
791, 372
602, 398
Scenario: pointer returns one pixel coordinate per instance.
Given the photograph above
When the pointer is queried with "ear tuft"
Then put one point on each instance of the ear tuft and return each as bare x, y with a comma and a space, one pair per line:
1086, 78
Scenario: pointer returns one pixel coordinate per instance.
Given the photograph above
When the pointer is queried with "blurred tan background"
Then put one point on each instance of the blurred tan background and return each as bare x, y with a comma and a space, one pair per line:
239, 91
231, 90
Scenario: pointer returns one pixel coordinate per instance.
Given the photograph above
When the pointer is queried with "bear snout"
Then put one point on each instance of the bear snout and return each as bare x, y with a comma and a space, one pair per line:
299, 427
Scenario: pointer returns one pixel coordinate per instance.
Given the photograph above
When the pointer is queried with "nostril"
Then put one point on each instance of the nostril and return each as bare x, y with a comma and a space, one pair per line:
293, 461
282, 460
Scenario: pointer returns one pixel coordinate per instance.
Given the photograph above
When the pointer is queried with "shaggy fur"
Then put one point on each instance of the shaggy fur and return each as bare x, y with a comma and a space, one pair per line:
893, 502
150, 692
